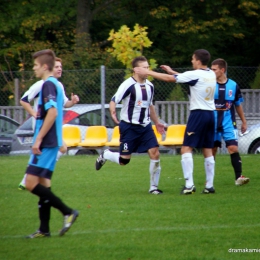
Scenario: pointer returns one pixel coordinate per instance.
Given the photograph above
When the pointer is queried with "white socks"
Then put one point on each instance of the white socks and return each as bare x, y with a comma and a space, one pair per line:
59, 154
209, 164
187, 168
111, 156
155, 170
23, 180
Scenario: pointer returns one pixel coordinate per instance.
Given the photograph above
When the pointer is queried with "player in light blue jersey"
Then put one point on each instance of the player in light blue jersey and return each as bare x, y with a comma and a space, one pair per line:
46, 142
200, 126
228, 99
136, 133
32, 94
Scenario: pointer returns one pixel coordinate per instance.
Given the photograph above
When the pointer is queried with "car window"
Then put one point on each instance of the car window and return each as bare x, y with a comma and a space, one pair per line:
27, 125
7, 127
94, 118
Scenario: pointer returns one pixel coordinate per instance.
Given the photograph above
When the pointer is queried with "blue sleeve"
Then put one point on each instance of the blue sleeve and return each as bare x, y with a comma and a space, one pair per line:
49, 95
238, 99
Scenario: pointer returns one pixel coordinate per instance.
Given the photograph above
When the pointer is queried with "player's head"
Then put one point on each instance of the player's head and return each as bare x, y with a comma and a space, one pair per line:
43, 62
136, 61
219, 66
221, 63
57, 70
200, 57
142, 62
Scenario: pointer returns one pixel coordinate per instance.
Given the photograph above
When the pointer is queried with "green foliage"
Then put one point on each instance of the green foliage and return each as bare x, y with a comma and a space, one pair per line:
85, 56
256, 82
119, 219
178, 94
228, 29
129, 44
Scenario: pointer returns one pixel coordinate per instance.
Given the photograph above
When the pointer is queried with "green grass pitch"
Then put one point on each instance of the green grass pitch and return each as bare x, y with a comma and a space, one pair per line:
120, 220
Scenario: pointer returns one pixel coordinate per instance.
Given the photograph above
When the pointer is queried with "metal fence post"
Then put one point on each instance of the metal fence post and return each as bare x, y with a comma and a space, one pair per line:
103, 94
16, 92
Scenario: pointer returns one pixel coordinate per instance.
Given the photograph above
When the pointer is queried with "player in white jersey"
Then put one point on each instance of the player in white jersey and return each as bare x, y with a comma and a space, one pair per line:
136, 133
32, 94
200, 126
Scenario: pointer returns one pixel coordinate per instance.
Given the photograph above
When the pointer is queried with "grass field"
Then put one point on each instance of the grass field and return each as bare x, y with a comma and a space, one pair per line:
120, 220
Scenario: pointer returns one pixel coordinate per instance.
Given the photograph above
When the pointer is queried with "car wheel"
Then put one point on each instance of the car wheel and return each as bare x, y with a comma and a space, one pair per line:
255, 148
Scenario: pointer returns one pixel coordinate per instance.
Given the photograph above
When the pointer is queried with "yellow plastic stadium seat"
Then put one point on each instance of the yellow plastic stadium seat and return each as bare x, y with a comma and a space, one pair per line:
174, 135
71, 135
157, 134
115, 138
96, 136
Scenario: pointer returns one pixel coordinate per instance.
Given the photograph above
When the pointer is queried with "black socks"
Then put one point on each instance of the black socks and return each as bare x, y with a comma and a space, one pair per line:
44, 214
46, 194
237, 164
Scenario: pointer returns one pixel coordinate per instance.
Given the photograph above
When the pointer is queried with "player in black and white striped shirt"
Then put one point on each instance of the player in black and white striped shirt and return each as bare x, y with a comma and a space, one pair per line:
200, 127
136, 133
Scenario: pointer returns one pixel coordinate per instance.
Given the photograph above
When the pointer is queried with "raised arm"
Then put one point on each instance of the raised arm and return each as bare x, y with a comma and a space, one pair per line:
156, 75
74, 100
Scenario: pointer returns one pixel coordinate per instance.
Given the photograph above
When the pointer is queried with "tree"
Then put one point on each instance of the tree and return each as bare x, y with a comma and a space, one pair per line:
223, 27
228, 29
129, 44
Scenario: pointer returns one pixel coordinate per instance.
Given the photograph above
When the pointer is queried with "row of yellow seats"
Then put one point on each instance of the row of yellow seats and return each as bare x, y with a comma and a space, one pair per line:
96, 136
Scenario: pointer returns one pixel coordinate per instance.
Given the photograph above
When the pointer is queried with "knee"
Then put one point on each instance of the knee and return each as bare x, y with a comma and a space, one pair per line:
123, 161
154, 154
232, 149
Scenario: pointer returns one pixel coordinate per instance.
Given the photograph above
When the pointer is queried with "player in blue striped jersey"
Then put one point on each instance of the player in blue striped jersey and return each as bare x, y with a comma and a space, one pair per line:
228, 99
46, 142
136, 133
200, 126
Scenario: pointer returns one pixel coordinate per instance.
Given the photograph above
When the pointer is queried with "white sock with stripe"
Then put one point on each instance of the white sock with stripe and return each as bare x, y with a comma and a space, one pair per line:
187, 168
111, 156
209, 164
155, 171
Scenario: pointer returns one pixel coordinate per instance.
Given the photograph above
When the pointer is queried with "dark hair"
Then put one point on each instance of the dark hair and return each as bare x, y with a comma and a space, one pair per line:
45, 57
203, 56
221, 63
136, 60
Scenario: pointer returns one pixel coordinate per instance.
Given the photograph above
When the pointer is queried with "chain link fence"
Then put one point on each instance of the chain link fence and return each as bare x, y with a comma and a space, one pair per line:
97, 86
87, 84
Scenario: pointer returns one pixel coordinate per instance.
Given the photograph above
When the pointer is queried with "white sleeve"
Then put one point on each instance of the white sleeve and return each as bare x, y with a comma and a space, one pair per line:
65, 99
188, 77
123, 90
33, 91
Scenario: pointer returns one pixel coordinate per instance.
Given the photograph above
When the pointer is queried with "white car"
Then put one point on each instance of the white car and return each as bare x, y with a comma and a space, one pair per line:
82, 115
249, 142
7, 128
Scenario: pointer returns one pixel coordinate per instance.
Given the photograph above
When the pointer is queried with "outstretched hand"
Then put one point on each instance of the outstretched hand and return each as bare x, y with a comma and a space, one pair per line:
74, 98
168, 69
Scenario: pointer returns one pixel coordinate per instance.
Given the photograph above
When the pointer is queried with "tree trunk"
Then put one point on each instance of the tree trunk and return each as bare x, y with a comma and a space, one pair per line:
84, 18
